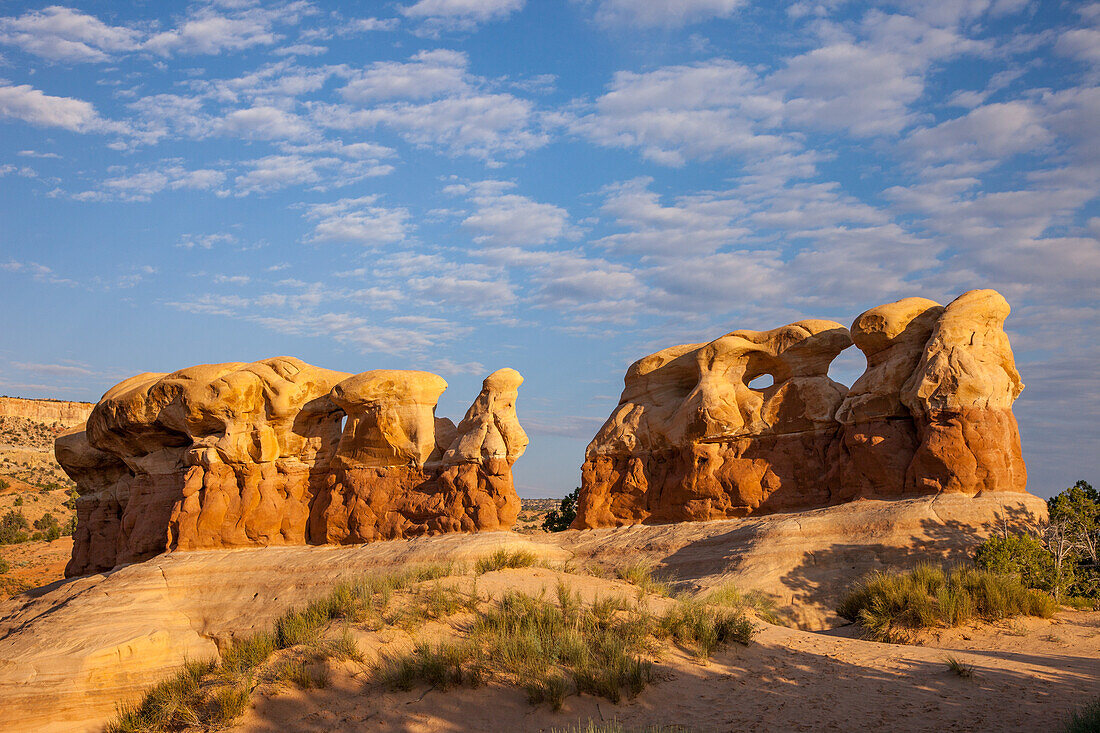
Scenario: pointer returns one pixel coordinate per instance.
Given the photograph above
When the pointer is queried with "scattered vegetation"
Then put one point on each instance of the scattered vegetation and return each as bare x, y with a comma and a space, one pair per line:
1059, 557
892, 605
1085, 719
641, 575
502, 559
213, 694
4, 566
614, 726
762, 604
558, 520
555, 649
958, 668
14, 528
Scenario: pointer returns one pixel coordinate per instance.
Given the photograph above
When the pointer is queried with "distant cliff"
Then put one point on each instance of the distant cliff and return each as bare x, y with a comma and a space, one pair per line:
69, 413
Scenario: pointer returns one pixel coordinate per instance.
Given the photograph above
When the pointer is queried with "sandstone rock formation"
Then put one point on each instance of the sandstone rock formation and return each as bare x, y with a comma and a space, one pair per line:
692, 440
46, 411
234, 455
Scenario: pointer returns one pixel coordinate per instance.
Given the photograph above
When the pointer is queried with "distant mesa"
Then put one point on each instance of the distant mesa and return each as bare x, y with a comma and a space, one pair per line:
691, 440
279, 452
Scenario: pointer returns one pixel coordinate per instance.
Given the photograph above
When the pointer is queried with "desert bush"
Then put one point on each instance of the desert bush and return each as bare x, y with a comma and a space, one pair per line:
502, 559
641, 575
174, 702
14, 528
558, 520
18, 501
891, 605
1023, 555
764, 605
1085, 719
703, 629
49, 529
4, 566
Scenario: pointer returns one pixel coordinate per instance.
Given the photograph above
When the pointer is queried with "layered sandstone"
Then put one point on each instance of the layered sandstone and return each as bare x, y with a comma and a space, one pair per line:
691, 440
46, 411
236, 455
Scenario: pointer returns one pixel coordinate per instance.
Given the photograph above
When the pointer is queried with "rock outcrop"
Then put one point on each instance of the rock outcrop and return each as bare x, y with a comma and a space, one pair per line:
236, 455
691, 440
46, 411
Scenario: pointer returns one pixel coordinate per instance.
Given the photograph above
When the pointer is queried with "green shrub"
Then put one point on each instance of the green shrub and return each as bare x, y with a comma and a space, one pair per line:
14, 528
1085, 719
703, 629
641, 575
49, 529
558, 520
18, 501
891, 605
502, 559
174, 702
4, 566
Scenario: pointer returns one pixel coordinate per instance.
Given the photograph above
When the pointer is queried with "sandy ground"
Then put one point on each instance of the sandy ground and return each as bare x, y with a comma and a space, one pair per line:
1027, 675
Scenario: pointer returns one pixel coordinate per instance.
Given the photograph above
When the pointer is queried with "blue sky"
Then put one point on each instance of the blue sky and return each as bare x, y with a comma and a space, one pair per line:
559, 187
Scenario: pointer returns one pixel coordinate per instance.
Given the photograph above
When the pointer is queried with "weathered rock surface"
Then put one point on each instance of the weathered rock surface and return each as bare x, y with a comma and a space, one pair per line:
70, 653
47, 411
237, 455
691, 440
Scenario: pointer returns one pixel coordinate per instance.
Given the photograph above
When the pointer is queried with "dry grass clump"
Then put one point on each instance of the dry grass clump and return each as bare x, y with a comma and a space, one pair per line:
502, 559
957, 667
892, 605
702, 629
555, 649
174, 702
641, 575
762, 604
214, 694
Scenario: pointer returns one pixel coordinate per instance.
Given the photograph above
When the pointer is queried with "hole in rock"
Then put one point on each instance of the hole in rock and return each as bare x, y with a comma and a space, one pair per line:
762, 381
343, 423
848, 366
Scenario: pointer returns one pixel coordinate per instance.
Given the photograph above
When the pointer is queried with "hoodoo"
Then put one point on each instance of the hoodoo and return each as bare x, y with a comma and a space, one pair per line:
237, 455
691, 440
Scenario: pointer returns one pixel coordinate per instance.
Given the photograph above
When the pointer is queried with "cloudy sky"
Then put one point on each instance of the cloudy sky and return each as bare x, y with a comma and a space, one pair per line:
560, 187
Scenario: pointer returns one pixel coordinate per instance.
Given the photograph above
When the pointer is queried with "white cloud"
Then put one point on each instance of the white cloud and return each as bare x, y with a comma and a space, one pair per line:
700, 111
428, 75
301, 49
206, 30
275, 172
501, 217
24, 102
663, 13
458, 15
142, 185
993, 131
206, 241
63, 34
265, 123
357, 220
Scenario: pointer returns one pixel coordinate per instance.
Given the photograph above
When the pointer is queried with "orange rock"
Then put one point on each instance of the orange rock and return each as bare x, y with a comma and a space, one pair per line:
236, 455
691, 440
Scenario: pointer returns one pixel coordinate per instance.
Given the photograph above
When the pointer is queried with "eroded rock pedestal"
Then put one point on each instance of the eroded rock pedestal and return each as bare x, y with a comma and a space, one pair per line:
690, 440
236, 455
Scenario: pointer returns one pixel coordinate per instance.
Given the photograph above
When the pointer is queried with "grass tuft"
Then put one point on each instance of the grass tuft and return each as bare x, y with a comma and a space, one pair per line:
703, 629
892, 605
960, 669
641, 575
1085, 719
502, 559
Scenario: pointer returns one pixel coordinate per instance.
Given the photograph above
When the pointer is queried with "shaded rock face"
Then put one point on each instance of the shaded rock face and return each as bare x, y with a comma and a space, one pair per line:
696, 436
236, 455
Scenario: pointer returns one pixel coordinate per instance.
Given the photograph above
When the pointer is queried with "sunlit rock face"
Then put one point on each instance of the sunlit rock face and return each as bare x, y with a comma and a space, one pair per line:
695, 437
236, 455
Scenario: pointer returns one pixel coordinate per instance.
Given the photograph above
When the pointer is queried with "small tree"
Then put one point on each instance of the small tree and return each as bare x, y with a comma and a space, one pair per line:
559, 519
13, 528
49, 529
